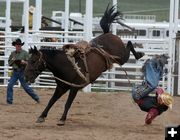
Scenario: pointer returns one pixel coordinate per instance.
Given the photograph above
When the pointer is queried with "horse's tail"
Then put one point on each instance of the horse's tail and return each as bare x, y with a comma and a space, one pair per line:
110, 16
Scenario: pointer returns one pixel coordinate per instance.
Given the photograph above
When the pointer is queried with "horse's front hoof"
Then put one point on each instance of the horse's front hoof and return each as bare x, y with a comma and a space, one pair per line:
61, 123
40, 120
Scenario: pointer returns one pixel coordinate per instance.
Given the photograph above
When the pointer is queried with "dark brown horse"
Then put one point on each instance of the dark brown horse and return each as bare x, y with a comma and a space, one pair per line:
105, 48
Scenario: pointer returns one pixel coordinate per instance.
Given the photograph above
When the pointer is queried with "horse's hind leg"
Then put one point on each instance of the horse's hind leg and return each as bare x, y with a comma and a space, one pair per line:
57, 94
137, 55
71, 97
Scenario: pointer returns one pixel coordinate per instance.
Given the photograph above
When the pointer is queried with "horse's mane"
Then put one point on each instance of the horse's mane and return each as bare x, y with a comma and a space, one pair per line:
52, 51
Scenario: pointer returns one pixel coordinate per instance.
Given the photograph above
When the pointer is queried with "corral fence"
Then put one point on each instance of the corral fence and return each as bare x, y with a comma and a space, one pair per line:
118, 78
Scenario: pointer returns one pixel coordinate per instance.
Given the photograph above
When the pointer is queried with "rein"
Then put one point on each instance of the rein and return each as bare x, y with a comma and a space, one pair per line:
77, 69
41, 59
59, 79
112, 57
109, 60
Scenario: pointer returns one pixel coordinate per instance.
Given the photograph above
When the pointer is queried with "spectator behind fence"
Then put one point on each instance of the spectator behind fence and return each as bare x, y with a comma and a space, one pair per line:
31, 12
44, 23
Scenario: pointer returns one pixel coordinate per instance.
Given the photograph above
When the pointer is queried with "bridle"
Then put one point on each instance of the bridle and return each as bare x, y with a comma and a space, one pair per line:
37, 71
41, 60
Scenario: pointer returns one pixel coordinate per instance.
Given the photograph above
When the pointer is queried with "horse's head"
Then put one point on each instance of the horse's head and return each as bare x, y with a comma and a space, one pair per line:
36, 64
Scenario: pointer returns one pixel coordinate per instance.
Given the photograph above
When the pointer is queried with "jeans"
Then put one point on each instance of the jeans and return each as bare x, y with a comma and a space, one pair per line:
153, 73
19, 75
141, 91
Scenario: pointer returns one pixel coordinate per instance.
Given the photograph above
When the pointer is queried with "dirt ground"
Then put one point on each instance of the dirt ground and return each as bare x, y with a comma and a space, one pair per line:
93, 116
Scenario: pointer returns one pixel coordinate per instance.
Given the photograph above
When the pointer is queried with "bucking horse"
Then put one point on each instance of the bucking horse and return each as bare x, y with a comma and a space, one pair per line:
77, 65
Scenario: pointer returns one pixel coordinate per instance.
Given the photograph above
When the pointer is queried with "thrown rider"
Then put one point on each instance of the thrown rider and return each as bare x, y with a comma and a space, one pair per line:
148, 96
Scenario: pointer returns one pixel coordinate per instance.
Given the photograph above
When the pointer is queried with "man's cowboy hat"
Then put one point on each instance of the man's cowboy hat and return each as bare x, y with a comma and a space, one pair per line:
31, 9
17, 42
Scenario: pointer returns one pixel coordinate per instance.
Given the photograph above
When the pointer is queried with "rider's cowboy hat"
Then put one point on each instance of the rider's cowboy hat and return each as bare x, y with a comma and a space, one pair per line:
31, 9
17, 42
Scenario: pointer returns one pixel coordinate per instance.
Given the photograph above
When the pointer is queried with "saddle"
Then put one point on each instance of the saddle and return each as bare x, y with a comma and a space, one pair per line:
78, 49
81, 48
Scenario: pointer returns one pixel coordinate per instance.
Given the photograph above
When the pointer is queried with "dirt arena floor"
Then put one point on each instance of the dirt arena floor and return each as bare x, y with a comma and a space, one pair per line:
93, 116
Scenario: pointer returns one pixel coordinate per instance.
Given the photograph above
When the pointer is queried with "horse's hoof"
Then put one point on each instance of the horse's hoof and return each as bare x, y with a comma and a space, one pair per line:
40, 120
139, 55
61, 123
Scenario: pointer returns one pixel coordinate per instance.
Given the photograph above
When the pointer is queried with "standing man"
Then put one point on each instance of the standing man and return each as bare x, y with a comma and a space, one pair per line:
18, 60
